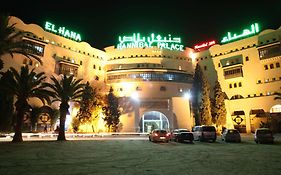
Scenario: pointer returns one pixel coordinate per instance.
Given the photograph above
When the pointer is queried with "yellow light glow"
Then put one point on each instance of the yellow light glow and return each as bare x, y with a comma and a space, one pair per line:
192, 55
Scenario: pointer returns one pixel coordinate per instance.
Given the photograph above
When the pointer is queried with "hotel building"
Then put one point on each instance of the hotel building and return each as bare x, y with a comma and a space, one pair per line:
151, 82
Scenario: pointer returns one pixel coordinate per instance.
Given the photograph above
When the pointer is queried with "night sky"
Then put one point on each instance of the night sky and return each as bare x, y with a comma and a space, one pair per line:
101, 22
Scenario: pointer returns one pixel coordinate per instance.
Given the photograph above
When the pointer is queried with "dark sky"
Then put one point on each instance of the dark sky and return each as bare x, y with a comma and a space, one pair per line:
101, 22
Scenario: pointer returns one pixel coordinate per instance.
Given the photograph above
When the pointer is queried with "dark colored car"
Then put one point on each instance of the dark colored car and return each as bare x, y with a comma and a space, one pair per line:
263, 135
231, 135
159, 135
182, 135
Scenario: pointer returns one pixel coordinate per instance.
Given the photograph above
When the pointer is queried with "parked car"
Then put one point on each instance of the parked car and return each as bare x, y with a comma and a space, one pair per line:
204, 133
231, 135
159, 135
263, 135
182, 135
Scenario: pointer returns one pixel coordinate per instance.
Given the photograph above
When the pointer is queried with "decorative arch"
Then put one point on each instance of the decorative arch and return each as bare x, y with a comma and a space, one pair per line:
153, 120
275, 109
237, 96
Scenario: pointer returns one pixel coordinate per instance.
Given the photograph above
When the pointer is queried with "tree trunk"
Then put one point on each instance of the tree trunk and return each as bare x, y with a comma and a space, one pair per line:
63, 111
18, 133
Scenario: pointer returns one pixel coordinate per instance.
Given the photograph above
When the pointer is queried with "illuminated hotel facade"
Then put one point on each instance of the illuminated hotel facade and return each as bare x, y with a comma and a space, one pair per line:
249, 72
151, 81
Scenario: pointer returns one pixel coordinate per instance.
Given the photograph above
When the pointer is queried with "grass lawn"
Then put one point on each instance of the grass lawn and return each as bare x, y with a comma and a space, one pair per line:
131, 157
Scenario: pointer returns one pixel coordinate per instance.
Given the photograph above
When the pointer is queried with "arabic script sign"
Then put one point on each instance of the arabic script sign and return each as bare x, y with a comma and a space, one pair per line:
62, 31
246, 32
204, 45
136, 41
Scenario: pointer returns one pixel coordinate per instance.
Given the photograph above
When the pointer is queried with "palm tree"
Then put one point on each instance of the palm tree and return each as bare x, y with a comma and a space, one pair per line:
25, 85
66, 90
11, 42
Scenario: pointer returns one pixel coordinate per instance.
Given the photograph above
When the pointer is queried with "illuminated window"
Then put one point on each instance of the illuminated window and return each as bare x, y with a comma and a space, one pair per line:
270, 51
35, 48
180, 90
266, 80
179, 67
67, 69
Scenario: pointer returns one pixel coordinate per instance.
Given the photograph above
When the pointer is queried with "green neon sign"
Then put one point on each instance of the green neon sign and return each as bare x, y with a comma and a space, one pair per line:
254, 29
136, 41
62, 31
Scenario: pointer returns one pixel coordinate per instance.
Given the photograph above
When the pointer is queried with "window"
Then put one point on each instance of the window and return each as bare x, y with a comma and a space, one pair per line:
34, 48
162, 88
205, 67
233, 72
81, 62
271, 66
138, 88
259, 82
24, 61
94, 66
30, 62
219, 64
99, 67
273, 79
230, 86
240, 84
277, 65
265, 67
67, 69
270, 51
247, 58
235, 85
97, 78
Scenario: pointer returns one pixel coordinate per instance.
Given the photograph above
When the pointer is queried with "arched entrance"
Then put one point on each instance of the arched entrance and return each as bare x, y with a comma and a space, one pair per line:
153, 120
275, 115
